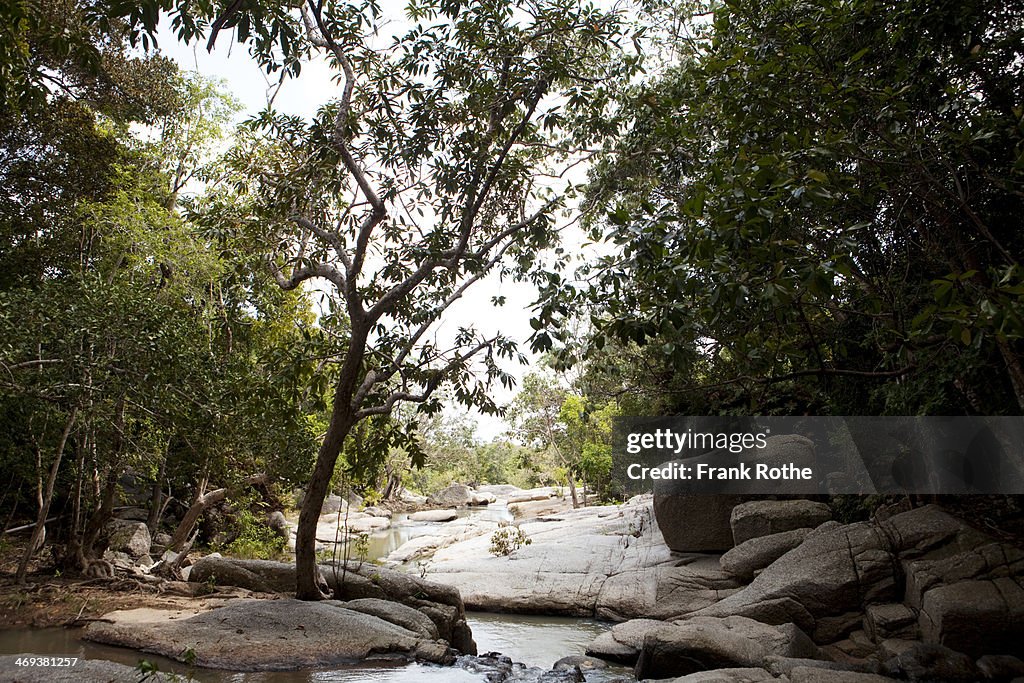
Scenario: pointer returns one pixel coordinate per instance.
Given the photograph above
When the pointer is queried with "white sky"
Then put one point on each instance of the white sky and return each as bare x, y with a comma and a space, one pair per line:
244, 78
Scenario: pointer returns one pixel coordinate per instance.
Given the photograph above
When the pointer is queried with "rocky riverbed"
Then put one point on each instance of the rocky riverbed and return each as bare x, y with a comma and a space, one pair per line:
789, 595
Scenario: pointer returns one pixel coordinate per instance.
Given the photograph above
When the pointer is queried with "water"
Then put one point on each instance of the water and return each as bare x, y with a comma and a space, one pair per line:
534, 640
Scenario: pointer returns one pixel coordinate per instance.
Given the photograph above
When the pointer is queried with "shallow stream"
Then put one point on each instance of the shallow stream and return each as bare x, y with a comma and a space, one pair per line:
534, 640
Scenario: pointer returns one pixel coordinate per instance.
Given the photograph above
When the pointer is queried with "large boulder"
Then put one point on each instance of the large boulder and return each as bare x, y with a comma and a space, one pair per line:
84, 671
976, 617
758, 518
261, 576
755, 554
454, 496
697, 522
840, 568
703, 643
266, 635
125, 536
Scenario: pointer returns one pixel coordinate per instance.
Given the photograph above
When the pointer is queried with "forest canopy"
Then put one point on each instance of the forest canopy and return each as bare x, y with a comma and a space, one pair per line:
790, 208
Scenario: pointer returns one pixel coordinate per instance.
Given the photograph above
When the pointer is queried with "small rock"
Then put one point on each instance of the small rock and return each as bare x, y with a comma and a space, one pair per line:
736, 675
378, 512
892, 620
580, 662
128, 537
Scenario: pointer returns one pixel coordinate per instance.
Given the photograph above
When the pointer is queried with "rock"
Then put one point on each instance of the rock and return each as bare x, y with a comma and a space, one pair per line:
1000, 667
135, 514
744, 675
839, 568
332, 505
806, 674
501, 490
162, 539
452, 496
975, 617
832, 628
396, 613
265, 635
128, 537
892, 620
368, 524
84, 671
531, 495
262, 576
441, 604
986, 561
412, 498
606, 647
378, 512
434, 516
929, 662
481, 498
784, 666
696, 522
758, 518
581, 662
278, 524
702, 643
757, 553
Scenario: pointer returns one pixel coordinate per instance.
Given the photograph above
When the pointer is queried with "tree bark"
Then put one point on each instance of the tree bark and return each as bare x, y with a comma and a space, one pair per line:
44, 508
307, 585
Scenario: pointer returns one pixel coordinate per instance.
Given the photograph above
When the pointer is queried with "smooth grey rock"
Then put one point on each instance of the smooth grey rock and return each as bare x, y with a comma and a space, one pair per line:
378, 511
434, 516
396, 613
278, 524
606, 647
696, 522
128, 537
265, 635
832, 628
757, 553
758, 518
783, 666
262, 576
702, 643
454, 495
582, 662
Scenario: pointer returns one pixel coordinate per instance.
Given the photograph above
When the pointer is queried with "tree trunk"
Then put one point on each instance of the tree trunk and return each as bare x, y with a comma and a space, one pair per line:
156, 499
44, 508
572, 490
203, 502
307, 586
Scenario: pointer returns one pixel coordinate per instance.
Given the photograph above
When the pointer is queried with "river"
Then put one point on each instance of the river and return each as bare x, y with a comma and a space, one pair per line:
533, 640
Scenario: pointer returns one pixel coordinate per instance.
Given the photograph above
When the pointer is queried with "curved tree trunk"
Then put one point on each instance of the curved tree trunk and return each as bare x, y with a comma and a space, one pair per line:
44, 507
307, 574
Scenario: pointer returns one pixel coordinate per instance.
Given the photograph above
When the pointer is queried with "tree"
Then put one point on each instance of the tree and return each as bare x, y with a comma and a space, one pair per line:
812, 212
419, 181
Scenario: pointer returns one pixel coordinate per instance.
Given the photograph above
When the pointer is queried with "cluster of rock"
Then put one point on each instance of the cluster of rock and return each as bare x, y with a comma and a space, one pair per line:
385, 614
917, 595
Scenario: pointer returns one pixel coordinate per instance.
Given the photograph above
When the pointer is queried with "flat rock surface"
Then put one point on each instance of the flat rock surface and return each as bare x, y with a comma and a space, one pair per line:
265, 635
608, 561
